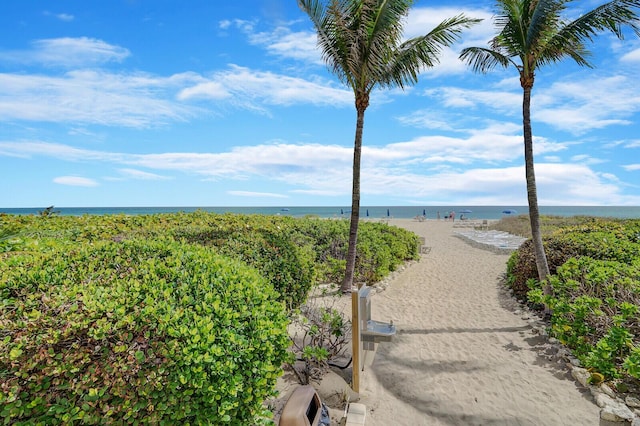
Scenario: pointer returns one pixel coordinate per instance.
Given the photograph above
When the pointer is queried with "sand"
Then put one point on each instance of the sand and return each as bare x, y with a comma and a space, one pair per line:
464, 353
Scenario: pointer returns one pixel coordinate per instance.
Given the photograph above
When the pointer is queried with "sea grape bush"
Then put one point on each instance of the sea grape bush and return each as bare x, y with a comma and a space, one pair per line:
293, 253
136, 332
596, 293
380, 248
602, 239
264, 242
595, 312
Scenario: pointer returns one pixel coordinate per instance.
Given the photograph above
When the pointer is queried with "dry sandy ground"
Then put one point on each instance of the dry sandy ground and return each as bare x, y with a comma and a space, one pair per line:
462, 356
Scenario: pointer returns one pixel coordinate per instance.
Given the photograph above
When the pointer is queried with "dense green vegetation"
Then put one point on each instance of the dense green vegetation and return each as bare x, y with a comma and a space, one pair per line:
595, 276
175, 319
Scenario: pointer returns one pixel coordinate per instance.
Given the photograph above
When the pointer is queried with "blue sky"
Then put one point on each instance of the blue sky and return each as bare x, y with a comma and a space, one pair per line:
210, 103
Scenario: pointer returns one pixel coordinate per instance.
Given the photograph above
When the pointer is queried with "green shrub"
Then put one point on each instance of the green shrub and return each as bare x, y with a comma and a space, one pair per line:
380, 248
617, 240
595, 306
293, 253
595, 277
522, 269
136, 332
267, 243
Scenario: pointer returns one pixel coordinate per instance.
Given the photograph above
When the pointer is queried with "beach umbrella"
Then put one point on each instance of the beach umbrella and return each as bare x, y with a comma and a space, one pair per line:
509, 211
465, 211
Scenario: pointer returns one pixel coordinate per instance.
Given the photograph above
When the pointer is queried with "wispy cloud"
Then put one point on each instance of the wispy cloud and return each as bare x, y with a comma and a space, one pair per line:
633, 56
141, 175
75, 181
568, 106
285, 43
67, 52
94, 97
253, 89
429, 167
564, 104
65, 17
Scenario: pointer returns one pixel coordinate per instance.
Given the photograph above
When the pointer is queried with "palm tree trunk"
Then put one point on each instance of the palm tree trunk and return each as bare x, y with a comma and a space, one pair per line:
532, 195
347, 283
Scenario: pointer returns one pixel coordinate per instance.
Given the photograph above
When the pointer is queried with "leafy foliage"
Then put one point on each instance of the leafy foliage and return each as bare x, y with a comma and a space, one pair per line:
321, 334
268, 243
596, 292
171, 318
381, 248
136, 332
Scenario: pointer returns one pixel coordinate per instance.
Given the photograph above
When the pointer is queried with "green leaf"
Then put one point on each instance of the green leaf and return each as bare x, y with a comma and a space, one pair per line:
15, 353
140, 356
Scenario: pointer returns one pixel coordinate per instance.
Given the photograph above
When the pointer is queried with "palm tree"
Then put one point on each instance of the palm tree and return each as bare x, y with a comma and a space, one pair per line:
361, 42
532, 33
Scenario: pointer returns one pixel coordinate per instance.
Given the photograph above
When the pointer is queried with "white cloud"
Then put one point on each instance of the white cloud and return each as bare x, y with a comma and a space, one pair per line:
431, 119
75, 181
29, 149
68, 52
586, 159
633, 56
65, 17
568, 106
206, 90
631, 167
140, 175
505, 102
94, 97
282, 42
403, 169
251, 89
563, 104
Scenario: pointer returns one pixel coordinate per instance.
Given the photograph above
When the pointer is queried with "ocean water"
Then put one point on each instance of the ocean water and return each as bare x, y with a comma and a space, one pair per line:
399, 212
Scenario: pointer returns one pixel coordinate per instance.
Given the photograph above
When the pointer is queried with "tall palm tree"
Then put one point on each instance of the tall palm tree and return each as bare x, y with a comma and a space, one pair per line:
532, 33
361, 42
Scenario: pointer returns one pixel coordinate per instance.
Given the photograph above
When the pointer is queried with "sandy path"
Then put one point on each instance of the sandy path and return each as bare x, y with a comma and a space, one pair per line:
462, 356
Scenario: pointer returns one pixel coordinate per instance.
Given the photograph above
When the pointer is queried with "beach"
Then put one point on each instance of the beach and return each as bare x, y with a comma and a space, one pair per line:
465, 353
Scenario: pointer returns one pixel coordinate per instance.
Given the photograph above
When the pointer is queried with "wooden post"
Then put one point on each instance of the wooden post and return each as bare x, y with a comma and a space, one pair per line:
355, 340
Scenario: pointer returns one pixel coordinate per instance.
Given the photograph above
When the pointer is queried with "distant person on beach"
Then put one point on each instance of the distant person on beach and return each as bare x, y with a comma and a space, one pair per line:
438, 214
453, 216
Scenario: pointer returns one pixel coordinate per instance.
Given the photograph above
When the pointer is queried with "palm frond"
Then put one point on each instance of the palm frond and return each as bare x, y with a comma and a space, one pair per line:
385, 19
361, 41
483, 60
512, 22
553, 54
420, 52
331, 21
569, 38
544, 21
610, 16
